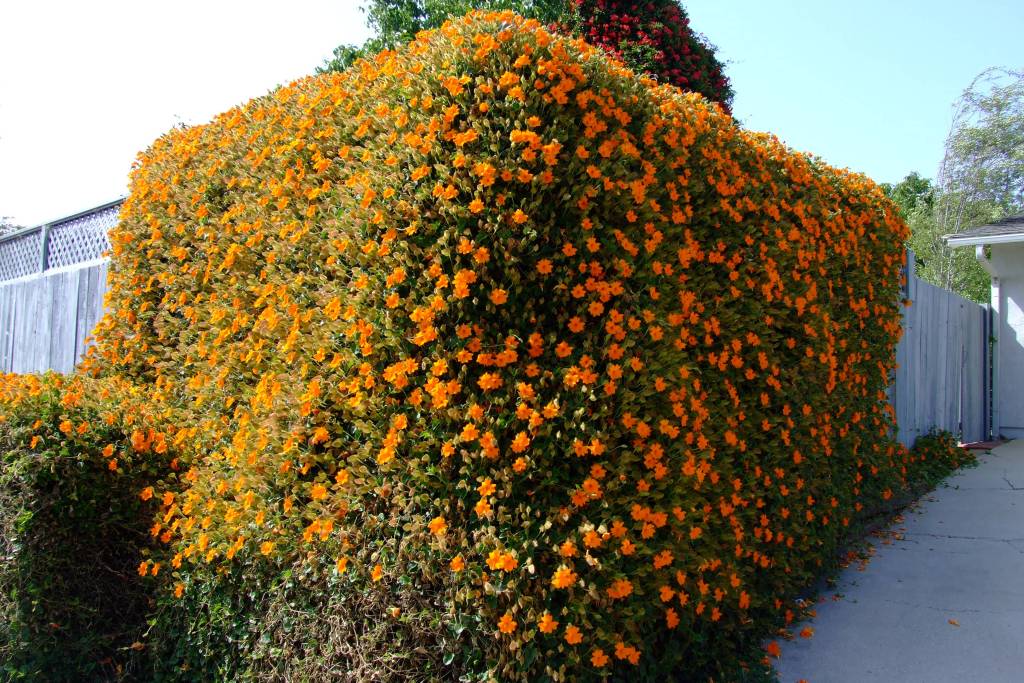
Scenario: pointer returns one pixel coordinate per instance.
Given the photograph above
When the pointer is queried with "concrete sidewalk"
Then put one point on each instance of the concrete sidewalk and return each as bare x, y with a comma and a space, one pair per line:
958, 555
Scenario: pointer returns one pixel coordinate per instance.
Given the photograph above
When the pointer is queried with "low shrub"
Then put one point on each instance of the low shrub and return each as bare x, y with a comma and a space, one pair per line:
72, 526
934, 456
298, 622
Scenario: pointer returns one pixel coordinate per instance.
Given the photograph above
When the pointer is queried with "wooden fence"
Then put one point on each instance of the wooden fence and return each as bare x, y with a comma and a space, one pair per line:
942, 381
52, 280
46, 319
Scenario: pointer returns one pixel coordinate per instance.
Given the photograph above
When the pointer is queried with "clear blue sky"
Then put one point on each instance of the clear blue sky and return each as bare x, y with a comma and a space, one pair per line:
868, 85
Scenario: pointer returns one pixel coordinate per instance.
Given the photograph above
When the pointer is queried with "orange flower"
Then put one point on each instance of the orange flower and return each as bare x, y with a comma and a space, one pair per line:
453, 84
483, 508
266, 547
573, 635
563, 578
498, 559
598, 658
319, 492
521, 442
438, 526
489, 381
507, 624
628, 652
498, 297
662, 559
378, 572
457, 564
547, 623
487, 487
469, 433
620, 588
507, 80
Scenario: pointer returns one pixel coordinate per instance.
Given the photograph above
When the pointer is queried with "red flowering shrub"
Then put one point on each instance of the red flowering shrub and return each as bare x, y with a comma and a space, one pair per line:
654, 36
594, 374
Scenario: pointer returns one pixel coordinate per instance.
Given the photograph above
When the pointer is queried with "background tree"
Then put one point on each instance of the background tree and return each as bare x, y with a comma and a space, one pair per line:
652, 37
915, 197
7, 227
395, 22
911, 194
981, 179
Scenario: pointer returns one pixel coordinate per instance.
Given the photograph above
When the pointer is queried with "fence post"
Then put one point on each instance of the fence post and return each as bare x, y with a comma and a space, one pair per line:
44, 246
987, 367
910, 265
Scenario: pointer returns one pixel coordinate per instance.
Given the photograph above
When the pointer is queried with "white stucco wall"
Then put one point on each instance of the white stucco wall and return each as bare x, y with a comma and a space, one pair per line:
1008, 260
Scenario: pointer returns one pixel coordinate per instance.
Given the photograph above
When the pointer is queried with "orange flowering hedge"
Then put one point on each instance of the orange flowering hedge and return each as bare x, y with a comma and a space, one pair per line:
493, 320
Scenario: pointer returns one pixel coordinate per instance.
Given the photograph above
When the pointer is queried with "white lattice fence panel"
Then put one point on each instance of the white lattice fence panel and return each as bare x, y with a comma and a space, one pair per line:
82, 239
20, 255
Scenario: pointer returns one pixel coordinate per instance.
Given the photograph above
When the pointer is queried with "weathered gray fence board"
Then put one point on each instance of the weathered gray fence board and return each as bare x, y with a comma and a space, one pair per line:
6, 320
940, 379
65, 328
97, 289
45, 320
81, 326
43, 324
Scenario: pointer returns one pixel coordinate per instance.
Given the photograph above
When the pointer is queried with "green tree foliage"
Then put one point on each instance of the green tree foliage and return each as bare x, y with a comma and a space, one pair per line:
981, 179
7, 226
396, 22
913, 193
915, 197
652, 37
